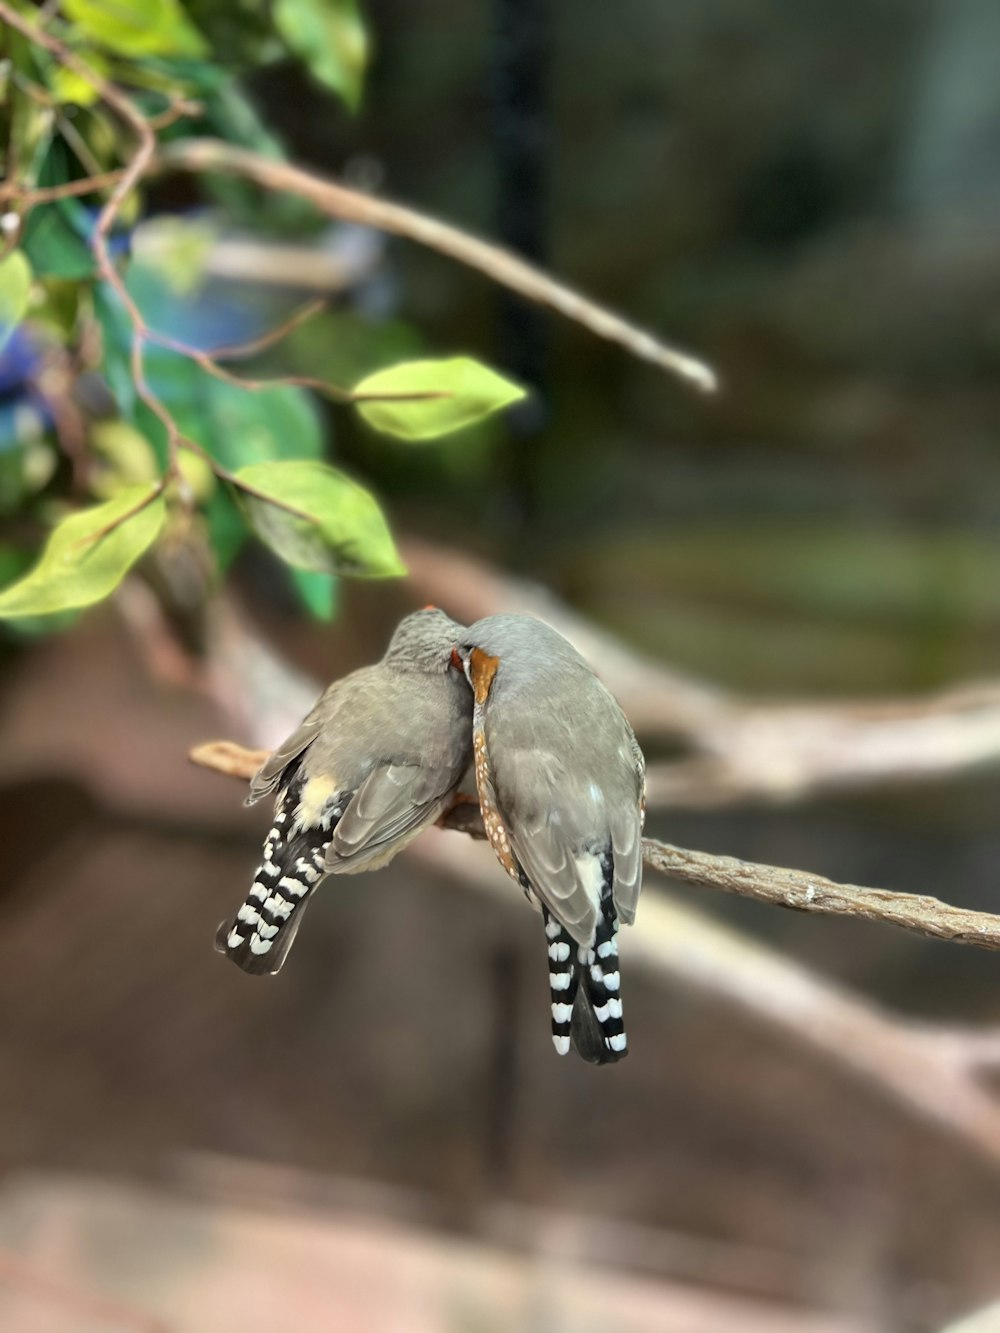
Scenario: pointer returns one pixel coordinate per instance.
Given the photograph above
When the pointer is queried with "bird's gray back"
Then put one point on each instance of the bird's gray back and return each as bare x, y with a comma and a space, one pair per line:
382, 715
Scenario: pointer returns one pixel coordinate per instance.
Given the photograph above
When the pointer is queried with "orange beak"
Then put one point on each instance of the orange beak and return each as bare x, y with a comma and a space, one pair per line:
429, 607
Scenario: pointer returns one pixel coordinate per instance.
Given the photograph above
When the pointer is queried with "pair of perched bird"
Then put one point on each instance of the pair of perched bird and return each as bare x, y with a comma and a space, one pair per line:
559, 777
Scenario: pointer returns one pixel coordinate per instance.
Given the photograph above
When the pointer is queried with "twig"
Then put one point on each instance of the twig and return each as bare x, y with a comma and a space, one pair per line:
805, 892
242, 351
775, 885
92, 538
47, 194
208, 361
337, 201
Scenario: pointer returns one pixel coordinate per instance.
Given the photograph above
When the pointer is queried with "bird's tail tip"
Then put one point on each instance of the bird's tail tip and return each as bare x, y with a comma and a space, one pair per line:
584, 986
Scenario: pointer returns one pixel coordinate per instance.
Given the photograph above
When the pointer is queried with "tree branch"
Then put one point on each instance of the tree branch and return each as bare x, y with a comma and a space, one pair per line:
337, 201
775, 885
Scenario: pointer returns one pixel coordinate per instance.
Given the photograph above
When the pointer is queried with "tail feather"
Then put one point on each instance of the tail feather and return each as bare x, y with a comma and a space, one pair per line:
259, 936
585, 986
563, 981
599, 1004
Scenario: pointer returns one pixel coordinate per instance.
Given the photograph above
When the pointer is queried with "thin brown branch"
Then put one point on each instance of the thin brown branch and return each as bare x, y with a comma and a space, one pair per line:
242, 351
781, 887
155, 491
229, 758
47, 194
176, 109
775, 885
337, 201
208, 361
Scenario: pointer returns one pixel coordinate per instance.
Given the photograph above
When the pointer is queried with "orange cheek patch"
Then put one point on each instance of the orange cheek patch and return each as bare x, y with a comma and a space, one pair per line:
482, 669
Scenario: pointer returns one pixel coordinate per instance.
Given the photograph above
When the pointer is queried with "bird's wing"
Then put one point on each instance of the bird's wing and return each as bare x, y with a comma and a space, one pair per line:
534, 797
626, 839
393, 803
626, 849
267, 779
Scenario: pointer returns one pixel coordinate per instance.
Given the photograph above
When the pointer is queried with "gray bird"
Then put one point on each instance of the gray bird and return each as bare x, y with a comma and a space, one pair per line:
372, 764
560, 778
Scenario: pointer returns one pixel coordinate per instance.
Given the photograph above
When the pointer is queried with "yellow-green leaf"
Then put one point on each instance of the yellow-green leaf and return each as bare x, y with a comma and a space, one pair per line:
87, 555
68, 86
15, 289
469, 391
137, 27
330, 38
336, 526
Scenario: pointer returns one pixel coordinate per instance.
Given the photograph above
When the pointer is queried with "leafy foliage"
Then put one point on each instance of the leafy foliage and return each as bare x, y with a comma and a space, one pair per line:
137, 27
174, 432
15, 289
318, 519
88, 554
468, 393
331, 40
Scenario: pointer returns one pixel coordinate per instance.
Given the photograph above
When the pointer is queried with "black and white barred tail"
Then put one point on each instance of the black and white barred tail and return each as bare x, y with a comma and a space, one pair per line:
585, 988
260, 935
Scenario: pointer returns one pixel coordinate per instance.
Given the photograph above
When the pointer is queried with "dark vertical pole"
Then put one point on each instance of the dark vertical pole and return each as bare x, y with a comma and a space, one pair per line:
499, 1138
520, 123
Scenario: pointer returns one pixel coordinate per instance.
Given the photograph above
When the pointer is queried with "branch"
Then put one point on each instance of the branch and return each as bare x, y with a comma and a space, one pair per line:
337, 201
774, 885
346, 205
780, 887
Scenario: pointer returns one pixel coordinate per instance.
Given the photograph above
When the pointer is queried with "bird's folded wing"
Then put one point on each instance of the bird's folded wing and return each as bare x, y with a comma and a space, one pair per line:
267, 779
626, 847
393, 803
626, 838
548, 843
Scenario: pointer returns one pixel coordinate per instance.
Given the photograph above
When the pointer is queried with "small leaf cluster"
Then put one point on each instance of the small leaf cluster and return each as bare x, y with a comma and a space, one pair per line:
118, 434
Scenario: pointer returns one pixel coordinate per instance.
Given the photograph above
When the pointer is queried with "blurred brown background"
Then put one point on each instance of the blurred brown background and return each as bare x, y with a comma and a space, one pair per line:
381, 1137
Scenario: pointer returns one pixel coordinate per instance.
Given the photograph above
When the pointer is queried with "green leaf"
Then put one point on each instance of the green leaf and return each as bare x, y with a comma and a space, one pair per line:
317, 592
56, 235
244, 427
329, 36
137, 27
15, 289
473, 392
337, 528
87, 555
68, 86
